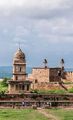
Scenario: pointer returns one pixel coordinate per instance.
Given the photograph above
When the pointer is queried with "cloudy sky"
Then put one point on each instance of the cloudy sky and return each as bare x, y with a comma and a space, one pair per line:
43, 27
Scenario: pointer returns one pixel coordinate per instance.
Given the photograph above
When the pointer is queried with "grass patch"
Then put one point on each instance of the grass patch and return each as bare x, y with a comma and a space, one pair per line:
52, 91
62, 114
70, 90
24, 114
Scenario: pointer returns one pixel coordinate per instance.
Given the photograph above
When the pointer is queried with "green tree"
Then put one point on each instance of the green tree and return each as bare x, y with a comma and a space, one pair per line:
4, 82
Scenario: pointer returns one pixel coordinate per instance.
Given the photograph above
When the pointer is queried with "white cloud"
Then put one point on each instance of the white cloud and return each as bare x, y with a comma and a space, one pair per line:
34, 5
28, 3
46, 25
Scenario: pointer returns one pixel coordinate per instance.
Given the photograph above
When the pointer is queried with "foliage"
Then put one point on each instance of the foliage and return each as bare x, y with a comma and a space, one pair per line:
57, 91
4, 82
2, 88
34, 91
3, 85
70, 90
22, 95
60, 91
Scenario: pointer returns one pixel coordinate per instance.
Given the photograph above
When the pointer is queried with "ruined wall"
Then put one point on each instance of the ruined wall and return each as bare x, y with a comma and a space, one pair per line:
46, 74
40, 75
54, 74
68, 76
46, 86
45, 78
49, 79
11, 89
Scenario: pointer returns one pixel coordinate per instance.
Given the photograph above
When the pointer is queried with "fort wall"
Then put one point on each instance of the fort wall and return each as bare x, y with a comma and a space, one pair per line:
50, 79
68, 76
54, 74
46, 86
40, 75
45, 74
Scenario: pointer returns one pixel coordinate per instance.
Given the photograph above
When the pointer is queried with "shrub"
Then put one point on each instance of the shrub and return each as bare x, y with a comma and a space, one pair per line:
60, 91
4, 82
70, 90
34, 91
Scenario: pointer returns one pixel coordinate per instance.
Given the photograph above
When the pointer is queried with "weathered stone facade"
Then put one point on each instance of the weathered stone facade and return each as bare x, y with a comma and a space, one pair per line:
55, 74
41, 78
45, 74
69, 76
45, 78
19, 84
40, 74
51, 79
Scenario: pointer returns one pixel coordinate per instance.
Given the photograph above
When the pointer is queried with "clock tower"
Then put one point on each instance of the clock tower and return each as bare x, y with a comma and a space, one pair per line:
19, 83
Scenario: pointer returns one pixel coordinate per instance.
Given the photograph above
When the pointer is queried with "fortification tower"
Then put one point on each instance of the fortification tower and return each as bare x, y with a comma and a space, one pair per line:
19, 84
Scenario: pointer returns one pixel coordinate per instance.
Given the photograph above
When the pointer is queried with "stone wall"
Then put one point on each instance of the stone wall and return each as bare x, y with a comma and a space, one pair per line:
11, 89
45, 78
45, 74
40, 75
54, 74
46, 86
49, 79
68, 76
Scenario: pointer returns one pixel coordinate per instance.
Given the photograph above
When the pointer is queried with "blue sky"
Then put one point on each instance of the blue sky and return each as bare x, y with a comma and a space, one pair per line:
43, 27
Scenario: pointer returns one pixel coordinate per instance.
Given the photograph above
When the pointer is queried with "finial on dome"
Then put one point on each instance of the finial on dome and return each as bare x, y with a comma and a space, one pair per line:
19, 55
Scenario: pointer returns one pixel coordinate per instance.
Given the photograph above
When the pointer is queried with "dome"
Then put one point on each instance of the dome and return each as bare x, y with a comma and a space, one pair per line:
19, 55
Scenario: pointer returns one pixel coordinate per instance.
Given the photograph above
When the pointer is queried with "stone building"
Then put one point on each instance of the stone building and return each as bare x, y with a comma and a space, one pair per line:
41, 74
45, 78
19, 83
41, 78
